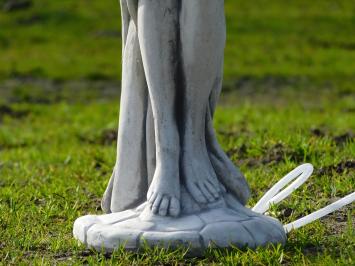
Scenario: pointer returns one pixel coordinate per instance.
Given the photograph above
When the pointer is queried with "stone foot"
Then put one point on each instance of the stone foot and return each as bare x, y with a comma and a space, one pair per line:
200, 178
164, 192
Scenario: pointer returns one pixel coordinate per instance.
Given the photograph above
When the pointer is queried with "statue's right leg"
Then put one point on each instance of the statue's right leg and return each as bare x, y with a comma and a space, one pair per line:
158, 27
202, 41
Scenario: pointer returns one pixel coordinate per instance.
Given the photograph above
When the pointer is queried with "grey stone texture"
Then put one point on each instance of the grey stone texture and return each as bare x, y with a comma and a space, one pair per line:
167, 150
221, 227
172, 183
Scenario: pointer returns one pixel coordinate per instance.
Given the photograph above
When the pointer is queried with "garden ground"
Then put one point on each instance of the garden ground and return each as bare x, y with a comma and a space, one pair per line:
288, 98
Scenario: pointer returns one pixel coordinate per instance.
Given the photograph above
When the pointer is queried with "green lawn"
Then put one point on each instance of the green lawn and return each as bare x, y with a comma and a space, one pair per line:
289, 98
81, 39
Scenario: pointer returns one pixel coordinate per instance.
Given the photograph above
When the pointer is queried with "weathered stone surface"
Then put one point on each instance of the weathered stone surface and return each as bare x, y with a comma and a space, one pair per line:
273, 231
236, 206
186, 223
217, 228
264, 232
172, 69
172, 183
82, 225
225, 234
137, 224
175, 239
221, 215
110, 237
117, 217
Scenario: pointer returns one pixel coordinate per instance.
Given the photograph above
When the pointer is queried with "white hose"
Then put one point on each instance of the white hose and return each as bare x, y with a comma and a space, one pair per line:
301, 174
320, 213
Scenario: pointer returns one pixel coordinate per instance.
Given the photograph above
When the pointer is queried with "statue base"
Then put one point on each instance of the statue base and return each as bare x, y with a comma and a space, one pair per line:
229, 224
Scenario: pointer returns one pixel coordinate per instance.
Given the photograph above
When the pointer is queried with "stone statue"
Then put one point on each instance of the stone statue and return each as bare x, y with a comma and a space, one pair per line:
172, 182
172, 77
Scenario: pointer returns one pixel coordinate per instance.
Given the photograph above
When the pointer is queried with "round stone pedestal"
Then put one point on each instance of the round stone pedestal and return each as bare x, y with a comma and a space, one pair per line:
220, 227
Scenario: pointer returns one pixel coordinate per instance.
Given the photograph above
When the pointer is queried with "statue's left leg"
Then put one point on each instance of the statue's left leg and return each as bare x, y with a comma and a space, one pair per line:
157, 33
202, 24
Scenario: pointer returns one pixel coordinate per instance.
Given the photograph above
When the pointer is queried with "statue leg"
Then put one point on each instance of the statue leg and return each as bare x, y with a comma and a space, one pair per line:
203, 40
128, 184
158, 26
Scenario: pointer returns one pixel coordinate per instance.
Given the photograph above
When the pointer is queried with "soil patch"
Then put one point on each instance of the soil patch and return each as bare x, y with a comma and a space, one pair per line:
342, 139
339, 168
6, 110
270, 155
15, 5
106, 137
337, 222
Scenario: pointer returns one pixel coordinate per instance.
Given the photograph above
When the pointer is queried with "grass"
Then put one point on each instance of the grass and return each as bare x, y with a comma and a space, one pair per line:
289, 98
81, 39
56, 160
